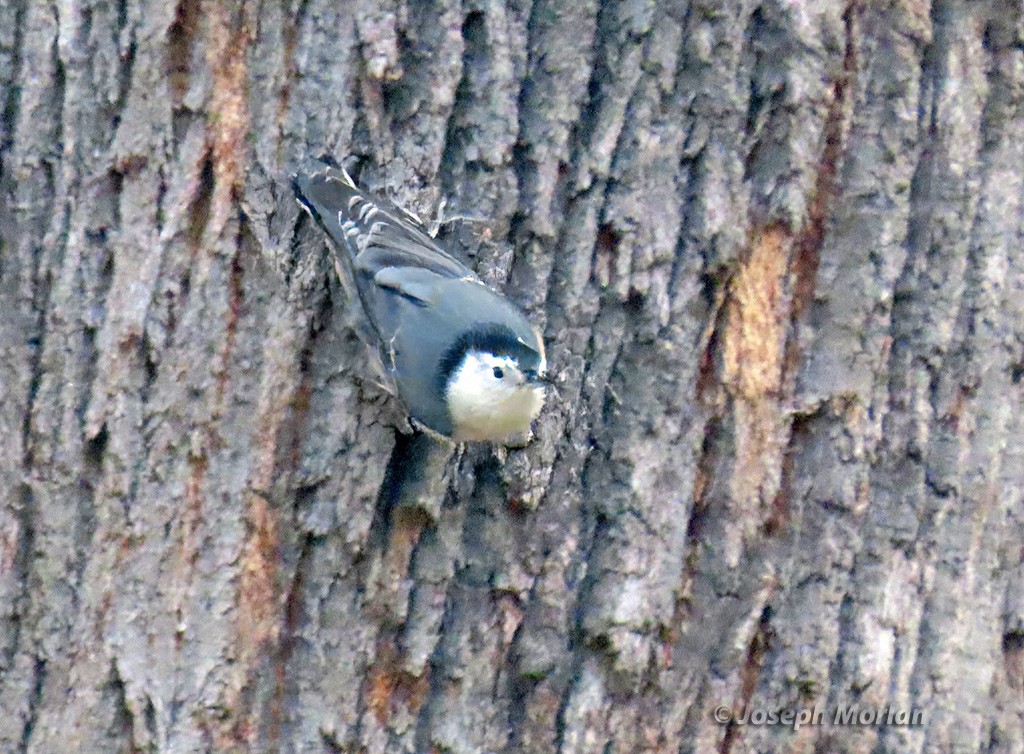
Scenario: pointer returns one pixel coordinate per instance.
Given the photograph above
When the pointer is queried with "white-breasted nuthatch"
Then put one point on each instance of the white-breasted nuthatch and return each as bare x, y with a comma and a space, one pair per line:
467, 364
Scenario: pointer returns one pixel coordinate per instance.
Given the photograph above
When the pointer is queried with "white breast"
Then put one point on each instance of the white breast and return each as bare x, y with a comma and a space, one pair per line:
485, 408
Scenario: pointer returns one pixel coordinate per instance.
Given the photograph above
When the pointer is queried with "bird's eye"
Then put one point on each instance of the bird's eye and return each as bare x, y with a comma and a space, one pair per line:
498, 372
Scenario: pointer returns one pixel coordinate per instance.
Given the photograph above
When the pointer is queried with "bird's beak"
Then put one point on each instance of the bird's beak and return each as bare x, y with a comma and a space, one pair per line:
538, 378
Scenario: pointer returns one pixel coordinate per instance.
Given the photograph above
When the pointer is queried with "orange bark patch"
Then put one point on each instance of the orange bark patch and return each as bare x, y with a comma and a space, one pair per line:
388, 684
229, 107
256, 627
258, 608
753, 349
757, 317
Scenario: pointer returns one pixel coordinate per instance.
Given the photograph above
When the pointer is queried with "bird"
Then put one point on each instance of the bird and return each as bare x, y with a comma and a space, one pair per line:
465, 362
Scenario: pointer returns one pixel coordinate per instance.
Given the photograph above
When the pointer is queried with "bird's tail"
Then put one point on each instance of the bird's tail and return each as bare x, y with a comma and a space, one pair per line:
327, 192
370, 227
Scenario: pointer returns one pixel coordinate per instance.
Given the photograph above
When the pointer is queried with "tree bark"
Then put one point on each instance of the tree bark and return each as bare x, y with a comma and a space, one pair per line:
775, 249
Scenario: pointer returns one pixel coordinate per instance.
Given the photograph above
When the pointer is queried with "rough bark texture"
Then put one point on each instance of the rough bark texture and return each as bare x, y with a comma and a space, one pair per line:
776, 251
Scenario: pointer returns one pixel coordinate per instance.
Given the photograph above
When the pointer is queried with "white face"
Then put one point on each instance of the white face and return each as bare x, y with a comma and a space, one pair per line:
490, 398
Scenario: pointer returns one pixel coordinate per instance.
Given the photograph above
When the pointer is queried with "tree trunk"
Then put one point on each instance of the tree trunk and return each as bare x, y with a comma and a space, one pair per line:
775, 250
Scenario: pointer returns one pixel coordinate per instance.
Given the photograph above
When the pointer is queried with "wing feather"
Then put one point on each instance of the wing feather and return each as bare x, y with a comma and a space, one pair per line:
376, 233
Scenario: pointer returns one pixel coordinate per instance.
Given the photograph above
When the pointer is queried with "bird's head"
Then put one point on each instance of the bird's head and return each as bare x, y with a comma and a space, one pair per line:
494, 383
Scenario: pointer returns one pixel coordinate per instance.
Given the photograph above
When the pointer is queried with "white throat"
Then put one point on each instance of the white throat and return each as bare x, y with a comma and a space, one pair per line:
485, 406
